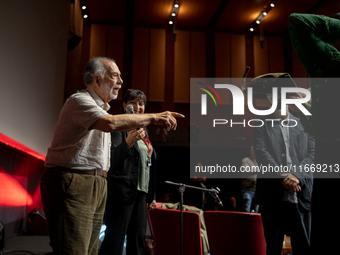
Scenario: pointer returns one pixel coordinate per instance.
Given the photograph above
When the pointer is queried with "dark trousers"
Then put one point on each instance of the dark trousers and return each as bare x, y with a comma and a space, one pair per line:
121, 220
277, 217
325, 199
74, 206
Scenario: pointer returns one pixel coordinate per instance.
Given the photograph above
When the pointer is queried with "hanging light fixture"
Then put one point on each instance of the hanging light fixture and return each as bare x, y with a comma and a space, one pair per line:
84, 9
173, 16
262, 15
174, 12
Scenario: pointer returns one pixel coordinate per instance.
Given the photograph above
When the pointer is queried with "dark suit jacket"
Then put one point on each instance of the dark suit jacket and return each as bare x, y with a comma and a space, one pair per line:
270, 149
123, 173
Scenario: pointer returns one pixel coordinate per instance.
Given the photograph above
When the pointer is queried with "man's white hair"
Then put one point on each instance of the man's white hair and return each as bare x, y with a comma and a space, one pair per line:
93, 67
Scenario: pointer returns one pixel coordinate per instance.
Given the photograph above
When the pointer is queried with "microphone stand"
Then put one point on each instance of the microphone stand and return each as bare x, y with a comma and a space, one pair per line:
181, 190
203, 200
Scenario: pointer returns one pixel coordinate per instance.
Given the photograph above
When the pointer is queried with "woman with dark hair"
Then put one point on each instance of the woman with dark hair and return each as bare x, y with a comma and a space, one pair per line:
129, 182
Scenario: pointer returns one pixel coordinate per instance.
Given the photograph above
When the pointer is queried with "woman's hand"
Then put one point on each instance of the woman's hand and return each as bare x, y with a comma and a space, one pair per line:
134, 136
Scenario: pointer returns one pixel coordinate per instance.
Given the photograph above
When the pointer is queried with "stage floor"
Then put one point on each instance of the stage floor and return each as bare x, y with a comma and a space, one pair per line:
27, 244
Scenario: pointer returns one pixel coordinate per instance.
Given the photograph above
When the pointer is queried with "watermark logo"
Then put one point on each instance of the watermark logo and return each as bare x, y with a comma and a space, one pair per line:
204, 97
238, 99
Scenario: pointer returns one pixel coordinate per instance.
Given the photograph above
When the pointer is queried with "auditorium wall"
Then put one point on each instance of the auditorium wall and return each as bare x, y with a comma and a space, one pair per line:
33, 47
150, 53
33, 60
160, 62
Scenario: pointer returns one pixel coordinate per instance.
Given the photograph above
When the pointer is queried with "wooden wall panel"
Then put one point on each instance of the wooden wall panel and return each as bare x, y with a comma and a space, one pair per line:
222, 56
156, 65
115, 45
237, 59
140, 65
223, 64
198, 62
190, 60
238, 55
268, 59
261, 56
197, 54
182, 67
261, 63
98, 41
115, 49
276, 55
169, 71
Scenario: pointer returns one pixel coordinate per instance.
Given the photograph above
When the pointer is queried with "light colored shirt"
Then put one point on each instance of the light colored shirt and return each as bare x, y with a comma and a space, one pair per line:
143, 169
74, 145
288, 196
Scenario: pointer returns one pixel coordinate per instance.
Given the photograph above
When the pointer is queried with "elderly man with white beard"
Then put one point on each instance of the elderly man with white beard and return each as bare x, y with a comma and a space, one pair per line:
74, 187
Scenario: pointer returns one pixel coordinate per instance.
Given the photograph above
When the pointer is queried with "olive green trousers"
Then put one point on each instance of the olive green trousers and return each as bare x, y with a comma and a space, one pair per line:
74, 206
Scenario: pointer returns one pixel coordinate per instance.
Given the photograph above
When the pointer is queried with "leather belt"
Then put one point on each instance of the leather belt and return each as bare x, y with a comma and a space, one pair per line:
98, 172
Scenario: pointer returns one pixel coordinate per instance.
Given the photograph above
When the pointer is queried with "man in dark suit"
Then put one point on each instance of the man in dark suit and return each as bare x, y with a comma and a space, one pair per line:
285, 190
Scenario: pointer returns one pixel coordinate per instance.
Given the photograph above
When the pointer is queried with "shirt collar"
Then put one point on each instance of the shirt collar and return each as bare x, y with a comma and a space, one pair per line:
98, 100
288, 117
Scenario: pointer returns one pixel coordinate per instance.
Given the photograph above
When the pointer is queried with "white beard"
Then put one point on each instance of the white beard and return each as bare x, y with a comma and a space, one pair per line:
109, 91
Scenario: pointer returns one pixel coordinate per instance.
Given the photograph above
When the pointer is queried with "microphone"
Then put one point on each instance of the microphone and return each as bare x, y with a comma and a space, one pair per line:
129, 109
214, 194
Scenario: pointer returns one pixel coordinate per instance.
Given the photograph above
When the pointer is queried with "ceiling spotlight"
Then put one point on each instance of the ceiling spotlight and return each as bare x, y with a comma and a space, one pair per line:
85, 16
84, 7
262, 15
174, 12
